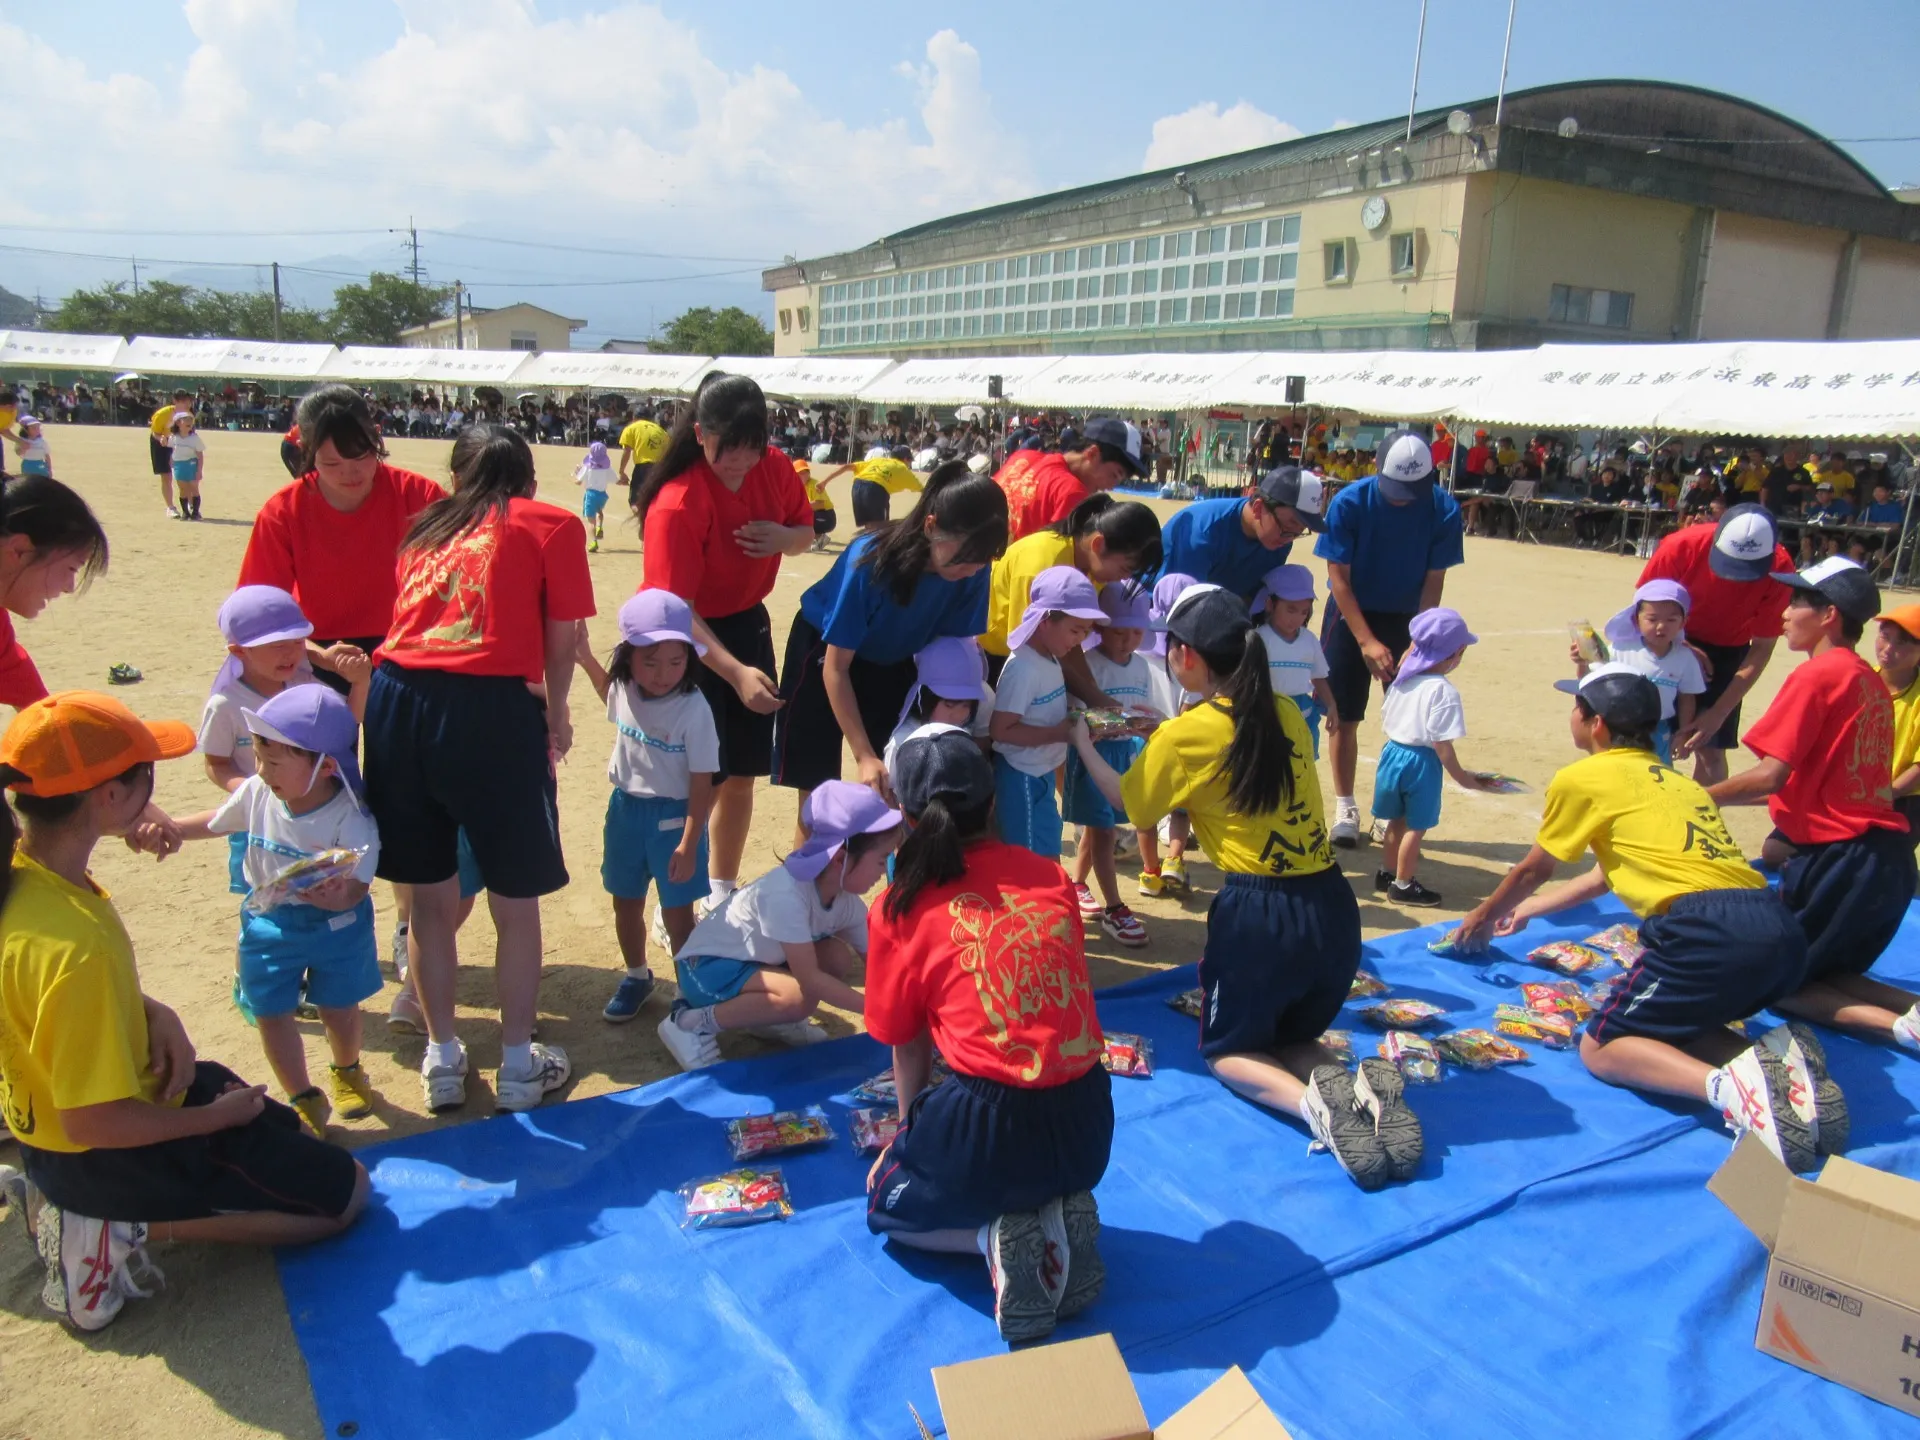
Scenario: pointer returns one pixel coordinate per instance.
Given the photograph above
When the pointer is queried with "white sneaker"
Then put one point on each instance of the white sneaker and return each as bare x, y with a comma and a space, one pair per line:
551, 1070
446, 1085
1346, 829
1906, 1030
397, 953
793, 1032
1752, 1094
93, 1266
657, 932
693, 1049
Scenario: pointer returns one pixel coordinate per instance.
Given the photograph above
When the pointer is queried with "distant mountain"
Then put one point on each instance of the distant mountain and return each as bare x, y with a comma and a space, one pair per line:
16, 311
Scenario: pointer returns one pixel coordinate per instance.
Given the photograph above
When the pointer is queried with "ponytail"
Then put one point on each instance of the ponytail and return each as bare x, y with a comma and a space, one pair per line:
1128, 529
934, 851
491, 465
1259, 760
963, 506
729, 408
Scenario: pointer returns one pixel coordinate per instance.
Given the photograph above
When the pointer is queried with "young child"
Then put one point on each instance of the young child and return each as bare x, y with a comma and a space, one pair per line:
824, 519
1170, 875
1896, 645
1283, 934
35, 457
1422, 718
305, 797
780, 948
1029, 729
188, 461
1123, 673
595, 478
876, 480
1649, 638
666, 753
1719, 944
1295, 662
950, 688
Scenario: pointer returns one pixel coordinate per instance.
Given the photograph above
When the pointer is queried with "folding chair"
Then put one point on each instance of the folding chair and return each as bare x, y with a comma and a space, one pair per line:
1519, 496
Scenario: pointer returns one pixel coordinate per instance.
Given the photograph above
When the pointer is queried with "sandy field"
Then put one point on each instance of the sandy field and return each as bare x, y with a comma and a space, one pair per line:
214, 1355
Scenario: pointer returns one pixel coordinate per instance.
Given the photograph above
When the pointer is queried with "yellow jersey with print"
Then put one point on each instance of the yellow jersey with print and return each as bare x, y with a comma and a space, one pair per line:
1906, 727
1183, 767
73, 1029
1657, 834
162, 421
1013, 577
645, 441
895, 476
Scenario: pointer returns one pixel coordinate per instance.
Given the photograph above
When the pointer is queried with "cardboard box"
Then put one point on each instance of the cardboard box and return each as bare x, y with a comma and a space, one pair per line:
1842, 1296
1080, 1390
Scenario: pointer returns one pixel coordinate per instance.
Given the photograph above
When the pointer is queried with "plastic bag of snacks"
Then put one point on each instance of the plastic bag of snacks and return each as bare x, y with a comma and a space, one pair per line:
1622, 942
1402, 1014
1557, 997
873, 1130
1499, 784
739, 1197
1478, 1049
1600, 994
1413, 1055
1592, 648
1366, 985
1549, 1028
1190, 1002
1568, 957
880, 1090
301, 876
1340, 1042
755, 1135
1113, 724
1128, 1055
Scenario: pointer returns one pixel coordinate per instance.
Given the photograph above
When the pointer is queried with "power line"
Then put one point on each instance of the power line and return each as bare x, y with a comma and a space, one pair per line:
591, 250
409, 229
190, 234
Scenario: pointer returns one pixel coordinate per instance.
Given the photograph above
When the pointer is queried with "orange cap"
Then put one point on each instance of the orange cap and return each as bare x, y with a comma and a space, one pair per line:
1907, 617
76, 740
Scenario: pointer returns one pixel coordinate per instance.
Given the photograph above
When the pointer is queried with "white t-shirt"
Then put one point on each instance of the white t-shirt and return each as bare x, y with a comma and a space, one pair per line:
1674, 674
1131, 684
1293, 665
1033, 687
34, 447
982, 720
186, 447
657, 744
276, 837
595, 478
1423, 711
776, 910
223, 730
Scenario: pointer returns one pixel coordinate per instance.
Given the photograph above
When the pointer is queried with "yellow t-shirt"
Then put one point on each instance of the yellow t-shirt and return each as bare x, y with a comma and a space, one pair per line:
73, 1031
1840, 478
1656, 834
162, 421
1906, 729
1182, 768
816, 489
8, 414
1013, 577
895, 476
645, 441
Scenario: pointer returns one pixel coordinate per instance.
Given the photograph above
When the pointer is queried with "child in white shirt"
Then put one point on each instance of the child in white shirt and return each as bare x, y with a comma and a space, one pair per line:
1295, 662
595, 476
950, 688
1650, 636
189, 462
35, 457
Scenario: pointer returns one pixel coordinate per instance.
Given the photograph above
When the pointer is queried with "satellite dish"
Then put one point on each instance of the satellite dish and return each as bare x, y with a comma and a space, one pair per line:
1459, 122
1569, 128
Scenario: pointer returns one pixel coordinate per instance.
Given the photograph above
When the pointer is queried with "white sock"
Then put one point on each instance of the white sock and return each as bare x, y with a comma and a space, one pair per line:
447, 1055
697, 1020
718, 890
1906, 1030
516, 1059
1344, 806
636, 971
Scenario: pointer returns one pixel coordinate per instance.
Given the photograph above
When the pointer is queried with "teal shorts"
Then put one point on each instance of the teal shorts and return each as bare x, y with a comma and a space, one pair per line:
711, 979
641, 834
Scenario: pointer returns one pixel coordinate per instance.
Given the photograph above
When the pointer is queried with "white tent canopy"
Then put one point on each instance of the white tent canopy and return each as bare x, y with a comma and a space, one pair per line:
157, 355
370, 362
1860, 390
595, 370
954, 382
1596, 387
274, 360
469, 367
1130, 382
1395, 384
798, 378
47, 350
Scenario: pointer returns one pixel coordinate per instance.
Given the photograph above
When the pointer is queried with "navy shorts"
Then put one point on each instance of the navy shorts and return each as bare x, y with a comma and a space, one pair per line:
806, 736
824, 522
1849, 897
269, 1163
1909, 806
872, 503
1279, 960
1081, 802
1715, 956
448, 752
1723, 662
746, 737
1347, 673
973, 1150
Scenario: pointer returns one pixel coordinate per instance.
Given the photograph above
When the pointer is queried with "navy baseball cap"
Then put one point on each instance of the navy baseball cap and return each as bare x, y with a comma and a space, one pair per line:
1121, 436
941, 760
1618, 694
1838, 582
1299, 491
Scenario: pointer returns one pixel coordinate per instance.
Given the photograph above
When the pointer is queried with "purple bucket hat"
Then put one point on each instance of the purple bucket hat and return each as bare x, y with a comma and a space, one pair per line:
1436, 635
834, 813
1060, 588
1621, 629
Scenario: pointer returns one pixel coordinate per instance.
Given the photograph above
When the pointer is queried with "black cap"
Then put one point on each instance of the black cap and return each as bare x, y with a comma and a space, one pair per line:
1839, 583
1299, 491
940, 760
1120, 436
1623, 697
1209, 619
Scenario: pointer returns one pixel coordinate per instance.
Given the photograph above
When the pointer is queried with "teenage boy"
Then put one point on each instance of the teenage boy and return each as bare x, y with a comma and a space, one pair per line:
1044, 488
1234, 541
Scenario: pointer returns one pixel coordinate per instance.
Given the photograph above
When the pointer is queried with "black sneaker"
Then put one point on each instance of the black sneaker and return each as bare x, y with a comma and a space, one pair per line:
1383, 881
1380, 1089
1016, 1260
1086, 1271
1333, 1114
1413, 893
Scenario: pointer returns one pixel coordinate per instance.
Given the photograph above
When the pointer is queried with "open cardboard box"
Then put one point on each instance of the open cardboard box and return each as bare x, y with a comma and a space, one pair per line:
1842, 1296
1080, 1390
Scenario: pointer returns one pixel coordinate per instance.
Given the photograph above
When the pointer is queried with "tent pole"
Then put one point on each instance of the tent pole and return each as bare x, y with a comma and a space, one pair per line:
1906, 523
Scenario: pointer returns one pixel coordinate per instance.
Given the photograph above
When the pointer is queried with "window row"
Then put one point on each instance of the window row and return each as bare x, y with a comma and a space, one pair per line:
1133, 314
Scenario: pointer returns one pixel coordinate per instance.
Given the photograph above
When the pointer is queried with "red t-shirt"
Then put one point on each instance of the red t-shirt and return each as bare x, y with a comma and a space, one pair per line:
1479, 460
1040, 490
20, 682
478, 605
993, 965
1725, 612
338, 564
688, 545
1832, 722
1442, 452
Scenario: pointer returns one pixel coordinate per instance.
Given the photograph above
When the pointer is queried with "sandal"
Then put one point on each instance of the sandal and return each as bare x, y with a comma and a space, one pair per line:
123, 674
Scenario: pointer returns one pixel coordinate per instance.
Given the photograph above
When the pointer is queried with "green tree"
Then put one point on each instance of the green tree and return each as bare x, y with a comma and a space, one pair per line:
165, 308
375, 313
706, 331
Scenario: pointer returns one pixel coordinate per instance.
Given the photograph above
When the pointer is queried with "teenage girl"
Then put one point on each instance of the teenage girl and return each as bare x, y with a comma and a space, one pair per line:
51, 544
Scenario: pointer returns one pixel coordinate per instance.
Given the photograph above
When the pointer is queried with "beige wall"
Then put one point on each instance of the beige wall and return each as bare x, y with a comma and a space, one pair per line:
1521, 237
790, 339
1767, 280
1886, 292
1431, 211
493, 330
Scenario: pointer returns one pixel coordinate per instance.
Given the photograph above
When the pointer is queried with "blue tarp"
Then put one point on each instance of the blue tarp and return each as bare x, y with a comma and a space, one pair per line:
1557, 1267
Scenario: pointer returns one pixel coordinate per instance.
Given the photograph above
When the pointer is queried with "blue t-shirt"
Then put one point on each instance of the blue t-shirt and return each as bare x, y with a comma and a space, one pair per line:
850, 611
1205, 540
1837, 511
1884, 512
1390, 548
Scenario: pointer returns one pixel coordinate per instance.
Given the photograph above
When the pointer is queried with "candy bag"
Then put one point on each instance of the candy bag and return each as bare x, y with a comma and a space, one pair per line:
1550, 1028
1190, 1002
301, 876
1111, 724
1498, 784
1402, 1014
1340, 1042
753, 1135
1478, 1049
873, 1130
1365, 986
1412, 1054
1557, 997
880, 1090
1621, 941
739, 1197
1128, 1055
1593, 649
1568, 957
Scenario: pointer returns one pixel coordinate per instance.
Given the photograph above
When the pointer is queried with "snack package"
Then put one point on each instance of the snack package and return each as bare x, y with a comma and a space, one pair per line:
1569, 957
754, 1135
1402, 1014
873, 1130
1190, 1002
880, 1090
1592, 648
1557, 997
1340, 1042
1477, 1049
301, 876
1413, 1055
1600, 994
1113, 724
1366, 985
739, 1197
1128, 1055
1556, 1032
1499, 784
1621, 941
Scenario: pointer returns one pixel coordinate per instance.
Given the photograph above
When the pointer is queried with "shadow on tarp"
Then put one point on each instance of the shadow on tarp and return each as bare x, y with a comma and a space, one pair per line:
1555, 1267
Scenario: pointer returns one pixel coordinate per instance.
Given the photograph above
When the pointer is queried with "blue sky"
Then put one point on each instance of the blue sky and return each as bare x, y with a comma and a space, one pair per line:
736, 133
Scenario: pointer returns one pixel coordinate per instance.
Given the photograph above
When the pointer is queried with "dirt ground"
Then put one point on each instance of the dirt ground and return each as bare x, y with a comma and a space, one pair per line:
214, 1356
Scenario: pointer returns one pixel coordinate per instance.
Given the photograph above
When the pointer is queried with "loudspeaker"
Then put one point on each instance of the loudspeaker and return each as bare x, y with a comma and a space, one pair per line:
1296, 389
995, 390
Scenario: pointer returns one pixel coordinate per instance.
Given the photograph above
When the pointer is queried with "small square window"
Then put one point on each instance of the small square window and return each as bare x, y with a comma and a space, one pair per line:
1016, 322
1180, 246
993, 324
1016, 294
1019, 270
1145, 282
1133, 314
1212, 310
1063, 262
1290, 230
1402, 252
1042, 265
1148, 250
806, 316
995, 299
786, 324
1061, 319
1089, 257
1174, 277
996, 272
1335, 255
1036, 321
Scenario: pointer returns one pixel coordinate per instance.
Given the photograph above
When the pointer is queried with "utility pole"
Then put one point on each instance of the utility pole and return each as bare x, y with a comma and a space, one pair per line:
1506, 49
459, 334
276, 301
136, 276
412, 233
1419, 44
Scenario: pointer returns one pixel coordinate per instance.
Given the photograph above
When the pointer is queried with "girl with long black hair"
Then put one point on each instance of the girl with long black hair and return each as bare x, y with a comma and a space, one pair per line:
51, 544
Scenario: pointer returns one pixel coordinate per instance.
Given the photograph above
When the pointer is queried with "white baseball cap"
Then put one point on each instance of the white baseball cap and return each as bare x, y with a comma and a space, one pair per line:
1743, 544
1406, 466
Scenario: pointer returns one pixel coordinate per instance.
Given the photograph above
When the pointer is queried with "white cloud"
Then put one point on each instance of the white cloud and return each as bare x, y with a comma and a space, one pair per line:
1206, 130
482, 112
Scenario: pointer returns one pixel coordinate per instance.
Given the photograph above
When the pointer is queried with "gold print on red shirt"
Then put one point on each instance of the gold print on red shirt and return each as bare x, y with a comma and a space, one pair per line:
1019, 954
454, 576
1870, 762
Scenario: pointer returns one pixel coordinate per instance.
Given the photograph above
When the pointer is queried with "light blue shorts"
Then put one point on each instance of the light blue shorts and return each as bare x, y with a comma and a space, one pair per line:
1313, 712
186, 470
1081, 800
641, 834
712, 979
1663, 741
36, 467
1025, 810
333, 951
1407, 785
592, 503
